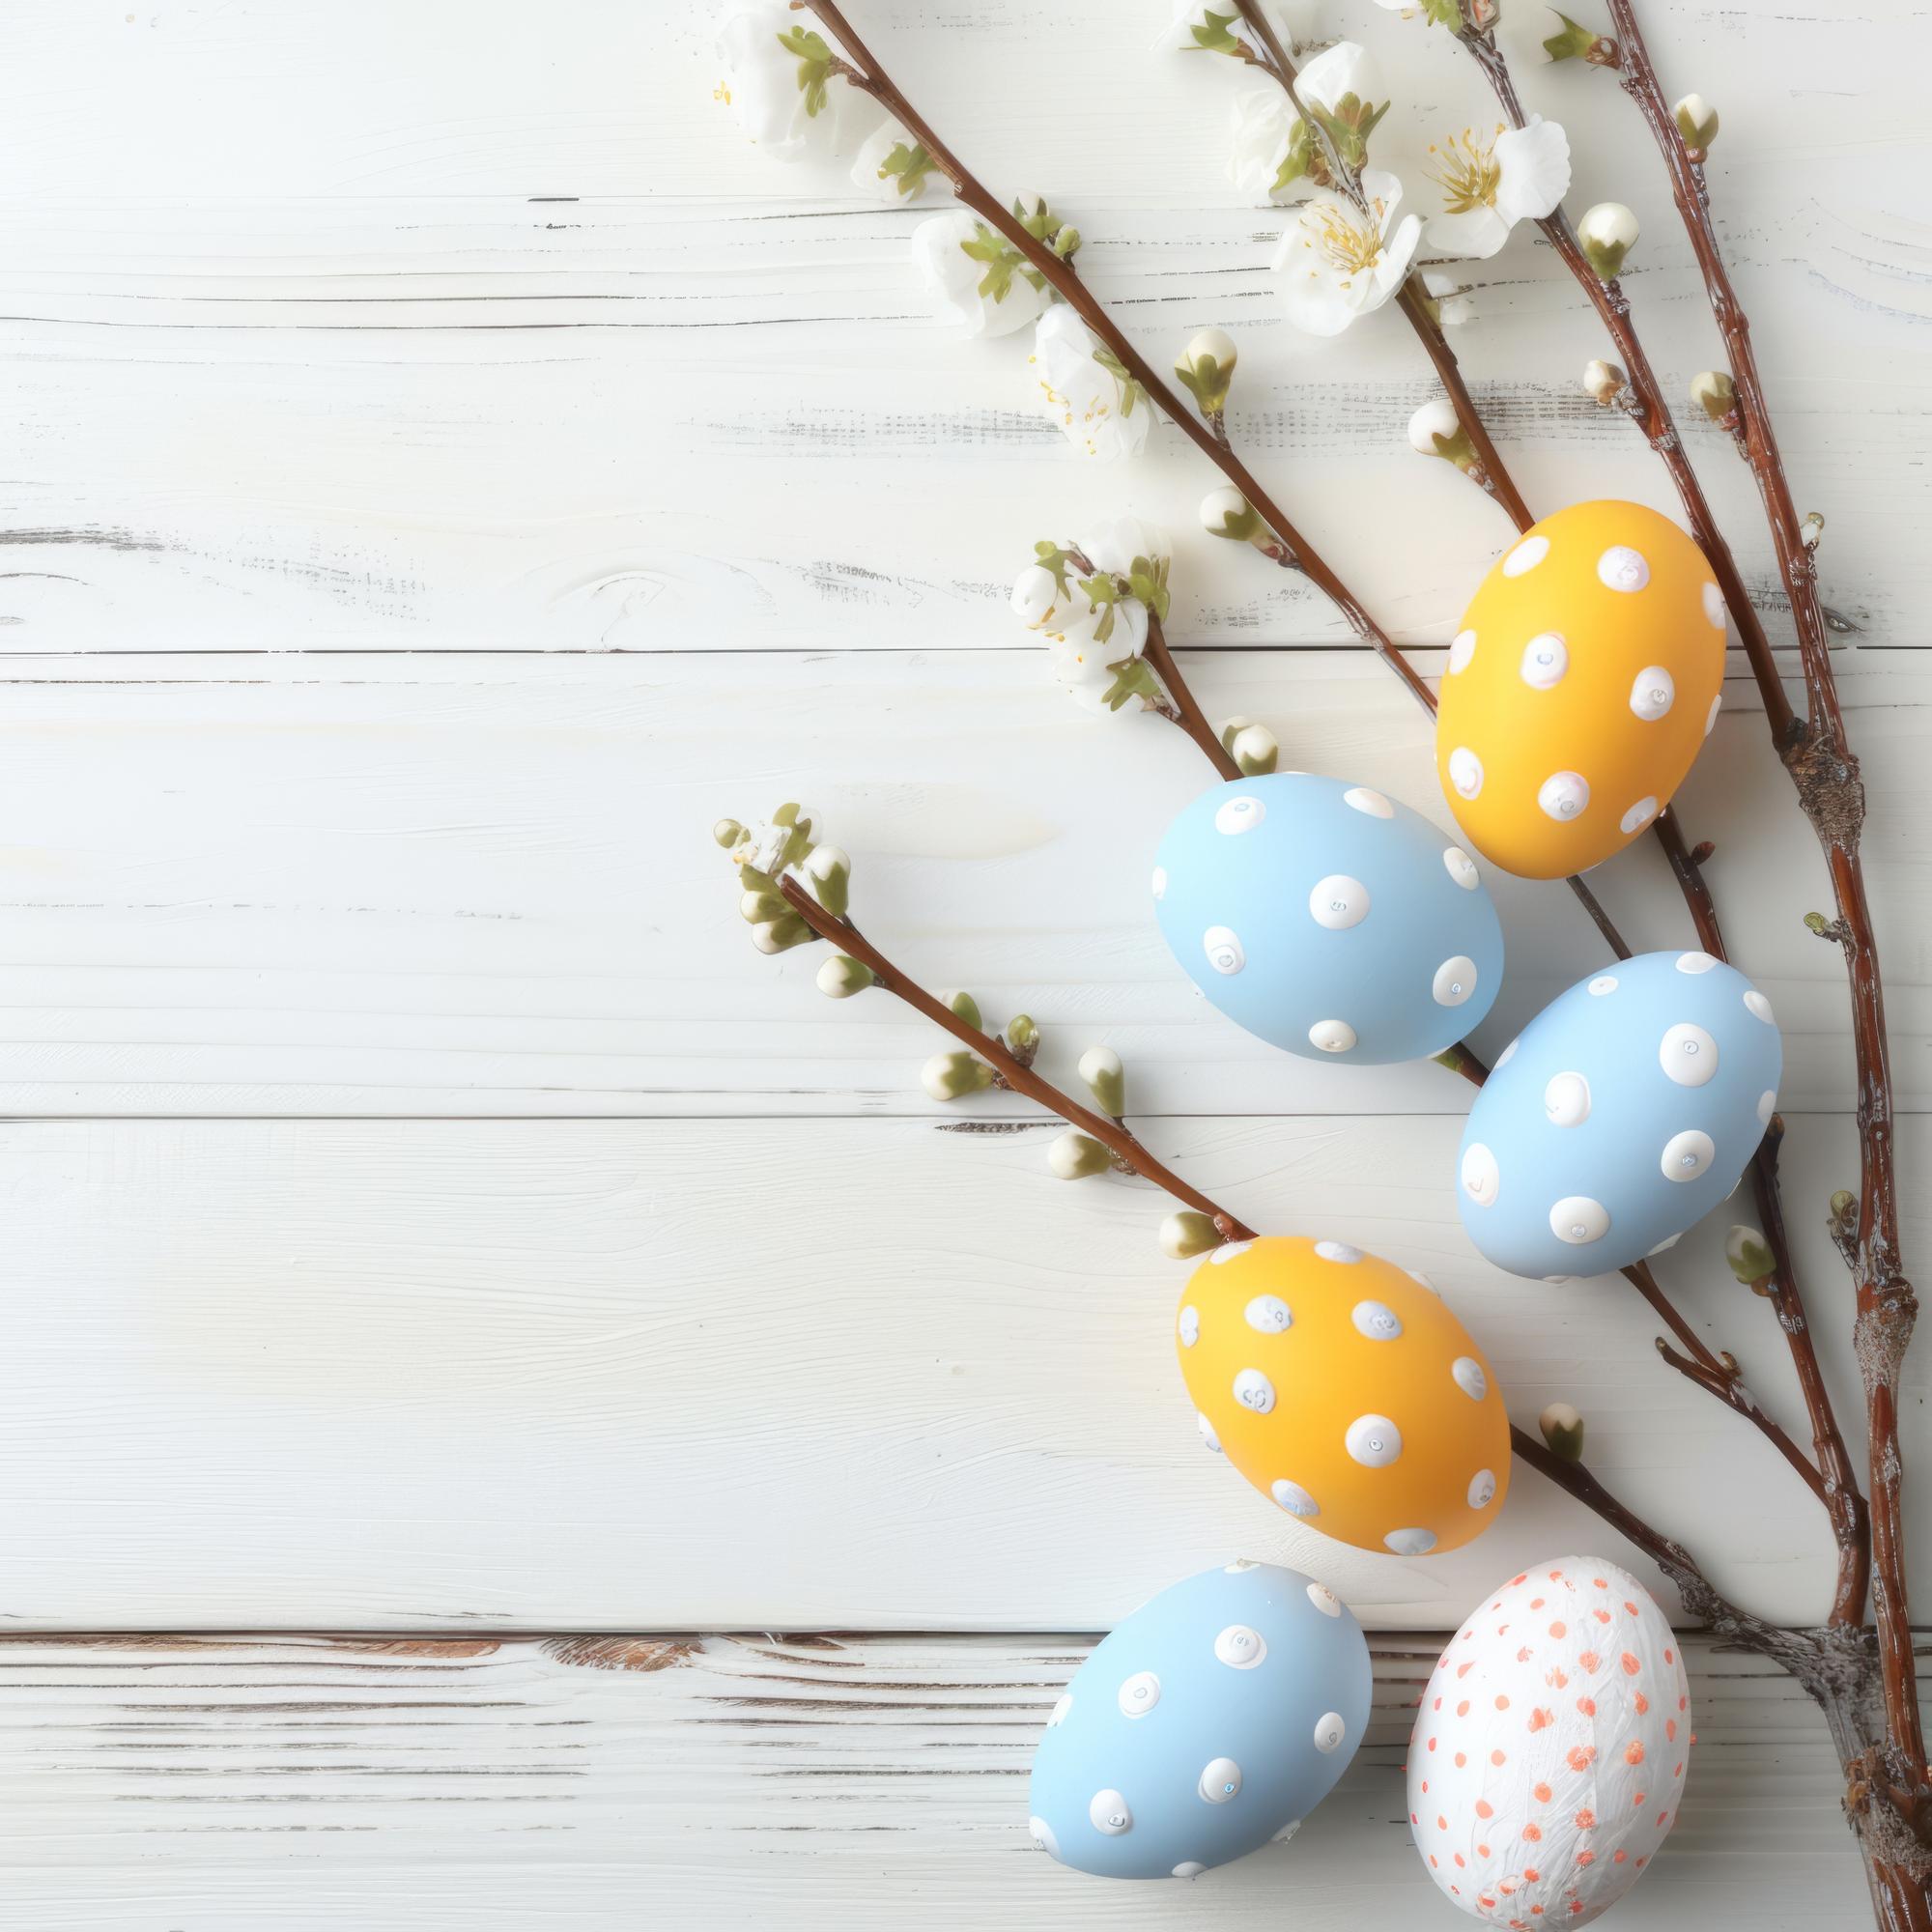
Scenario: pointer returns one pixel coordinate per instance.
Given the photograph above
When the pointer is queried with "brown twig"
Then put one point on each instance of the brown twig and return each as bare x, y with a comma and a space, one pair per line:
1831, 793
1012, 1071
1491, 474
1191, 719
1647, 407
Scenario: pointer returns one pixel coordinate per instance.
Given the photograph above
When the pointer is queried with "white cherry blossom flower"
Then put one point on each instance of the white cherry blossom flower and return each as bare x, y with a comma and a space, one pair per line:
1100, 408
1336, 262
1455, 301
1273, 147
1088, 640
1491, 182
976, 277
1265, 132
779, 83
894, 167
1342, 87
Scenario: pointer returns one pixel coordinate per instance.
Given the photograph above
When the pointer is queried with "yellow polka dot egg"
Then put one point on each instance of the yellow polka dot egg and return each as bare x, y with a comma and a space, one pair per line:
1578, 693
1342, 1388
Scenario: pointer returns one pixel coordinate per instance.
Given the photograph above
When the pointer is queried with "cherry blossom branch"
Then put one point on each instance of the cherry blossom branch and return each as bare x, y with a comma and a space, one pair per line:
1190, 716
1490, 474
1645, 405
1009, 1070
866, 71
1831, 793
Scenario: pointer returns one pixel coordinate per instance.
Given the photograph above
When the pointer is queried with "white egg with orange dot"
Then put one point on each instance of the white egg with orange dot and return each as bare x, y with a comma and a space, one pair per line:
1551, 1747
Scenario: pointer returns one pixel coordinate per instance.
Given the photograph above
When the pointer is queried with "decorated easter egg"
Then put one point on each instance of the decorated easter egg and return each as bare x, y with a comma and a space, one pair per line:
1619, 1117
1580, 689
1328, 918
1549, 1749
1211, 1721
1342, 1388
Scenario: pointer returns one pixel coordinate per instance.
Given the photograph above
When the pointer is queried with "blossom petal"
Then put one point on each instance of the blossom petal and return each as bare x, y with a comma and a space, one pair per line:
1535, 170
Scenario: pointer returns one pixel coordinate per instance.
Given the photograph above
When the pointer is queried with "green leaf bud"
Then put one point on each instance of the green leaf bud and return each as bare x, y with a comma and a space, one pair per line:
1106, 1080
966, 1006
1075, 1156
1577, 42
1750, 1255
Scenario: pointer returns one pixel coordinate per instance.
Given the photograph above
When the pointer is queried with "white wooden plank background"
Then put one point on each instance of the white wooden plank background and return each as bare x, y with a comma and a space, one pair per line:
445, 470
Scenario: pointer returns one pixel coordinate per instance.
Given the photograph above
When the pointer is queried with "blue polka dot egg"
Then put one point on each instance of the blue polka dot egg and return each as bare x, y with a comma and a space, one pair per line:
1619, 1117
1328, 918
1208, 1724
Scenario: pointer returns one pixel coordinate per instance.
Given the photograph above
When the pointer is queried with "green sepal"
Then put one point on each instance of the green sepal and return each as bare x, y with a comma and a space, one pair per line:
967, 1009
1214, 37
906, 168
1132, 679
1299, 162
1348, 124
1130, 391
815, 65
1574, 43
1002, 259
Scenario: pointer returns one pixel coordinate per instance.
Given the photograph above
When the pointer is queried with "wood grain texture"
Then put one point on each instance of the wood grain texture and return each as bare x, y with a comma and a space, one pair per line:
727, 1374
228, 1783
479, 885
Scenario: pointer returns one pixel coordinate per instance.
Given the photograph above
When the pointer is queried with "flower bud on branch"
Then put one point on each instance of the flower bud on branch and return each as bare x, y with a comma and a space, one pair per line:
1435, 430
1750, 1257
952, 1076
1187, 1235
1106, 1080
829, 872
1562, 1429
1207, 369
963, 1004
1074, 1155
839, 978
1608, 233
1717, 395
1698, 122
1577, 42
781, 935
1226, 513
1253, 747
1022, 1039
1604, 382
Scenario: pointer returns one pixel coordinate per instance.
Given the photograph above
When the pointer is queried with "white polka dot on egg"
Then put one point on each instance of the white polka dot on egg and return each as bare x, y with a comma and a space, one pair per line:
1454, 982
1466, 771
1767, 1107
1042, 1837
1140, 1694
1239, 815
1361, 798
1190, 1326
1108, 1812
1566, 1099
1466, 1373
1207, 1435
1293, 1498
1331, 1035
1526, 556
1220, 1780
1639, 815
1189, 1868
1759, 1008
1544, 660
1223, 949
1480, 1177
1329, 1732
1376, 1320
1228, 1251
1254, 1391
1461, 868
1579, 1220
1240, 1648
1670, 1242
1653, 692
1410, 1542
1686, 1155
1060, 1711
1621, 568
1160, 882
1603, 983
1421, 1280
1714, 606
1504, 1057
1324, 1599
1687, 1055
1482, 1489
1711, 718
1695, 963
1286, 1832
1372, 1440
1564, 796
1461, 651
1339, 1251
1337, 902
1269, 1315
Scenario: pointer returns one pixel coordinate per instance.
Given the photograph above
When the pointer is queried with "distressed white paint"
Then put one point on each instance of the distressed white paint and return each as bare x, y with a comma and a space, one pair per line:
485, 885
730, 1374
229, 1784
468, 329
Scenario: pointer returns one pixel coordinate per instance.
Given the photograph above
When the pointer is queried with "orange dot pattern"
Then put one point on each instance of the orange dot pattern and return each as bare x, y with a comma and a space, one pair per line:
1580, 688
1547, 1765
1344, 1389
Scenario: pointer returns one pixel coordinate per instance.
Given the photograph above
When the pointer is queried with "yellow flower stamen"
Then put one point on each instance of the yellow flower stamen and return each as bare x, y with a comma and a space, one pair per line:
1468, 171
1343, 238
